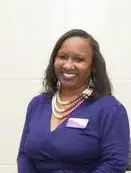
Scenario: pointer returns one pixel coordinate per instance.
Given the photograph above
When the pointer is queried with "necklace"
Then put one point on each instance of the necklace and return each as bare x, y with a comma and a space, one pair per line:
66, 112
69, 106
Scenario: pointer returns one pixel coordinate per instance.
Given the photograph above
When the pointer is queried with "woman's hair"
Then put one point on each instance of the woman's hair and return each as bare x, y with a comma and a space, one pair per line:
101, 82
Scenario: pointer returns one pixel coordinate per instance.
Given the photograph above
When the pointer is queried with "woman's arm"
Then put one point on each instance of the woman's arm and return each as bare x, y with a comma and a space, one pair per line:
24, 164
114, 130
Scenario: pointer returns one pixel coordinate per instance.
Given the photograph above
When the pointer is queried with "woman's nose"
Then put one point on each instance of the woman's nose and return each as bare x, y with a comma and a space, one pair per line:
69, 65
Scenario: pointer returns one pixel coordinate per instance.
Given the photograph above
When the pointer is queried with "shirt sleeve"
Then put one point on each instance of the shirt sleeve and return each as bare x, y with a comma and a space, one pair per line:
114, 143
24, 164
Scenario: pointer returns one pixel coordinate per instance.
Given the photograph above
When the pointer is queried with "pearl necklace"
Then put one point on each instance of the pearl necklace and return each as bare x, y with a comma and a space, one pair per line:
61, 113
70, 105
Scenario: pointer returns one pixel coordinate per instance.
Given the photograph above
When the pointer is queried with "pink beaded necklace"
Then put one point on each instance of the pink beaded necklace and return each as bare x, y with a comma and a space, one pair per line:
61, 113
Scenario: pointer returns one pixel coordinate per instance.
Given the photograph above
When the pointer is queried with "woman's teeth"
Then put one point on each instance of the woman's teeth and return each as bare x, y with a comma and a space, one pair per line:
69, 75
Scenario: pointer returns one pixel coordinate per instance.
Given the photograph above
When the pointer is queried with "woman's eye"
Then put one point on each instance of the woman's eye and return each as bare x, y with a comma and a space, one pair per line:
77, 59
61, 57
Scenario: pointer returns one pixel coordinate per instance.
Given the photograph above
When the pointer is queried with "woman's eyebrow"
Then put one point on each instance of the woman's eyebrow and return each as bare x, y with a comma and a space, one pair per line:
62, 52
74, 54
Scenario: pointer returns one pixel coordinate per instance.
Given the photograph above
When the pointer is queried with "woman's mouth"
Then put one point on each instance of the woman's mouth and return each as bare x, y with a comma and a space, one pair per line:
68, 76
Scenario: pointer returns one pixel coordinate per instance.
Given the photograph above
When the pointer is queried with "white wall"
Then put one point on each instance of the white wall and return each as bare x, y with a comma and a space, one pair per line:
28, 31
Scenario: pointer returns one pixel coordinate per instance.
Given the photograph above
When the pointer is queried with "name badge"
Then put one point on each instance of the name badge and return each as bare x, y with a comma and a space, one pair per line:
77, 123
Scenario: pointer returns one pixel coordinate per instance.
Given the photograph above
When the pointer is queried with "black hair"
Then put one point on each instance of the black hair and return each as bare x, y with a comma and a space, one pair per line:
101, 82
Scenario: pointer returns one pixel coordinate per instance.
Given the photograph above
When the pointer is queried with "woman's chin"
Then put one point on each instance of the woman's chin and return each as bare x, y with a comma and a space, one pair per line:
68, 84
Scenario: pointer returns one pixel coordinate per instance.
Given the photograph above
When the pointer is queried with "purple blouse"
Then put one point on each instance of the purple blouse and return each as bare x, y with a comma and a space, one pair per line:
100, 146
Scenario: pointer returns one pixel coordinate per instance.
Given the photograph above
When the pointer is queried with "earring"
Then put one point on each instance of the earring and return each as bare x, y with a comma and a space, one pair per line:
91, 83
88, 91
58, 85
93, 74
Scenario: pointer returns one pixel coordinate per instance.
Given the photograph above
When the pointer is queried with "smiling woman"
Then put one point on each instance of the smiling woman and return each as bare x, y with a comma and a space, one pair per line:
75, 125
72, 65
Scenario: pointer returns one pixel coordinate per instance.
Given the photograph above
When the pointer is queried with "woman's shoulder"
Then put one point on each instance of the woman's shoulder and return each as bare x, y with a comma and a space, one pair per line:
109, 101
39, 99
110, 106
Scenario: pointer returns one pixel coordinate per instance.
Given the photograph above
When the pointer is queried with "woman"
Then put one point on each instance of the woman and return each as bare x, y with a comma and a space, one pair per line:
76, 125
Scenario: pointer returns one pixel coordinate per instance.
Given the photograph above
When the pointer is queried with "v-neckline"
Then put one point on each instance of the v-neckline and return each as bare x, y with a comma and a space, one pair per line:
50, 113
63, 123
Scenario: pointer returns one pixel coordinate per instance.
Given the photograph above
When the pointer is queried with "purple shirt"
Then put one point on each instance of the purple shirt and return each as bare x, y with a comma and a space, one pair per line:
101, 147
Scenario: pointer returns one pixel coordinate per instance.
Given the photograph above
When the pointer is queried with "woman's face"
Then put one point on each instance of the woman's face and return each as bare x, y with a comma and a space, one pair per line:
72, 64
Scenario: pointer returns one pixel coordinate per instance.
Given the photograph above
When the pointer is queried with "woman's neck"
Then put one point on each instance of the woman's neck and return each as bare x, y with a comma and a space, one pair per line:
69, 94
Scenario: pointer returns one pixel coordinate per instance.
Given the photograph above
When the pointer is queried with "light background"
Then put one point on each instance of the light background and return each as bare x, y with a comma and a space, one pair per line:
28, 32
